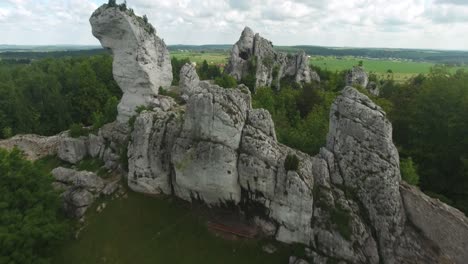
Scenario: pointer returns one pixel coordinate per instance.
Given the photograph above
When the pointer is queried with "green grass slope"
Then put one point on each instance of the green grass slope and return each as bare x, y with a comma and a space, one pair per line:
148, 230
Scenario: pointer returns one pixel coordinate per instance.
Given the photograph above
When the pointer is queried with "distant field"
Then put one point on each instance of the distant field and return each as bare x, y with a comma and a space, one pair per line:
199, 57
402, 70
148, 230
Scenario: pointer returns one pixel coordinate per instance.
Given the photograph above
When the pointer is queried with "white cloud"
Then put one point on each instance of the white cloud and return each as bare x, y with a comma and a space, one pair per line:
375, 23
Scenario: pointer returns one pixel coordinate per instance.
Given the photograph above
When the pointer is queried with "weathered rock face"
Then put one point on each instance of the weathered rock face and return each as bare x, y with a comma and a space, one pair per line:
141, 60
189, 81
360, 137
34, 146
205, 154
149, 151
444, 227
255, 55
357, 76
72, 150
80, 189
286, 195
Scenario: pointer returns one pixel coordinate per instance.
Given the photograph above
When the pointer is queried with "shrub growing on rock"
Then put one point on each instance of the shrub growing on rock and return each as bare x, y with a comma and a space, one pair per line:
77, 130
409, 171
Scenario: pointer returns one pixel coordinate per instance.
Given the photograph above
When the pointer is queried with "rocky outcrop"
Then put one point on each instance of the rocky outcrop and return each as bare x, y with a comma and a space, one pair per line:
80, 189
360, 137
205, 154
189, 81
149, 151
345, 203
357, 76
141, 59
73, 150
254, 57
443, 227
34, 146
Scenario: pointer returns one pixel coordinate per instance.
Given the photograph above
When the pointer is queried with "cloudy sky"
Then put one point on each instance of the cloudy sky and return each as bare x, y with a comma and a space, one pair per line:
438, 24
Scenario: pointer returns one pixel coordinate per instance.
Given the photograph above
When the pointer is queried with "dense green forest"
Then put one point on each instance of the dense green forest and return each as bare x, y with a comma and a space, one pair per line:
48, 95
31, 221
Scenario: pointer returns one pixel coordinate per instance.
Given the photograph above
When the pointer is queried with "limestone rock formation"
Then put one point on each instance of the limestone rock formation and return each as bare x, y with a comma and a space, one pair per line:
347, 204
205, 153
444, 227
141, 59
254, 57
72, 150
189, 80
357, 76
344, 203
149, 151
360, 137
80, 189
34, 146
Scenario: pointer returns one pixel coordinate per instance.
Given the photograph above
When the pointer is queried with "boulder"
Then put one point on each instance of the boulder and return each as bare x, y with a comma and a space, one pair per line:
76, 201
78, 179
141, 59
72, 150
357, 76
253, 54
189, 81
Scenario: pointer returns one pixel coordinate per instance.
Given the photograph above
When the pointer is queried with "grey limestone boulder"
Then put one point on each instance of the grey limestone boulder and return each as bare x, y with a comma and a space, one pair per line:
189, 81
72, 150
82, 179
357, 76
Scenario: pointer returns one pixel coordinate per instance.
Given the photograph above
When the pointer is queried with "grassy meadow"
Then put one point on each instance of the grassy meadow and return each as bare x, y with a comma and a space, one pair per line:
147, 230
198, 57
